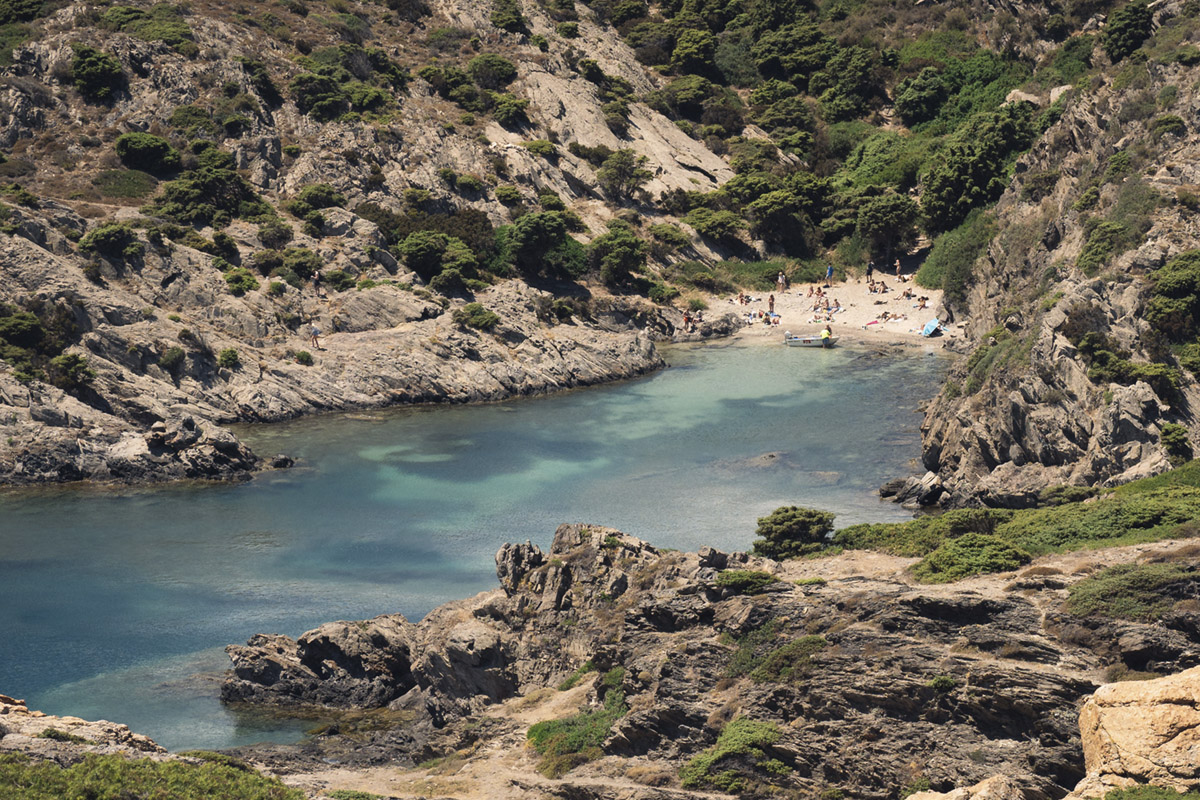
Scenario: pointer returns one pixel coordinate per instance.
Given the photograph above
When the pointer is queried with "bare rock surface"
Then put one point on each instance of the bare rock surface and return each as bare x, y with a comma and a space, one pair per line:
66, 739
902, 683
1142, 732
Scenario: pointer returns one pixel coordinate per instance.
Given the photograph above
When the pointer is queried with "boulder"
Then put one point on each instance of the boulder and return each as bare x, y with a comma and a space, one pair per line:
1142, 732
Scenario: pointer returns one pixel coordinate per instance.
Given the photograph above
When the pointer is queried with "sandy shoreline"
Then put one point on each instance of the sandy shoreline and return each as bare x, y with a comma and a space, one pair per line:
857, 322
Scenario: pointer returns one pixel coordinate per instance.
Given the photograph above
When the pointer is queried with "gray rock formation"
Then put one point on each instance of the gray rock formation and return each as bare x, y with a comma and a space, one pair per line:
945, 684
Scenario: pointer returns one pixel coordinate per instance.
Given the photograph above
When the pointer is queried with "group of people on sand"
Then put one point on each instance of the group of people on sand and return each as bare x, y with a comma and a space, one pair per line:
691, 320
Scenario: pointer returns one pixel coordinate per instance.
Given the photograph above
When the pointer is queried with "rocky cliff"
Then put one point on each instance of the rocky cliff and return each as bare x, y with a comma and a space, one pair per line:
867, 683
149, 331
1101, 202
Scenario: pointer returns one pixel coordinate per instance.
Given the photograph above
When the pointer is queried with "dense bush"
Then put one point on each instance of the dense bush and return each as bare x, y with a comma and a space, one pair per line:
211, 192
115, 240
475, 315
567, 743
161, 23
1126, 29
622, 174
506, 14
969, 554
744, 581
950, 262
618, 254
490, 71
240, 281
172, 359
1175, 441
147, 152
742, 742
971, 169
97, 75
1140, 592
791, 531
428, 253
69, 372
539, 245
228, 358
105, 776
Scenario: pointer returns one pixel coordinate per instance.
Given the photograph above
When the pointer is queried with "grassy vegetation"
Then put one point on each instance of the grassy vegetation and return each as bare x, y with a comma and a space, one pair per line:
1136, 592
575, 677
566, 743
1151, 793
737, 760
972, 541
111, 776
745, 581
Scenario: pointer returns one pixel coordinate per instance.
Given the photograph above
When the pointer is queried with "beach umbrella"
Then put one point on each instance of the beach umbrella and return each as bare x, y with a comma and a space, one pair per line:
930, 327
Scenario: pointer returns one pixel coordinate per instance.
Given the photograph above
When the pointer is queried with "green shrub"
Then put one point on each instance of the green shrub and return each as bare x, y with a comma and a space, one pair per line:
95, 74
115, 240
1168, 124
228, 358
321, 195
541, 148
742, 581
491, 71
304, 358
1174, 439
969, 554
338, 280
922, 535
1105, 240
942, 684
161, 23
172, 359
622, 174
508, 195
789, 663
1131, 591
147, 152
567, 743
573, 679
1126, 29
742, 739
240, 281
118, 776
275, 233
474, 315
211, 193
506, 15
949, 264
349, 794
69, 372
791, 531
568, 30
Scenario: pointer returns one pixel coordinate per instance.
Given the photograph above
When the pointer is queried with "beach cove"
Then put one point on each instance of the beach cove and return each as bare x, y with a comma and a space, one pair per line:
122, 600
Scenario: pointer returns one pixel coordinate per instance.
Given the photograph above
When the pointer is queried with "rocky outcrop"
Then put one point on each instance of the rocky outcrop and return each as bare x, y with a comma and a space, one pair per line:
873, 683
1142, 732
67, 739
1022, 413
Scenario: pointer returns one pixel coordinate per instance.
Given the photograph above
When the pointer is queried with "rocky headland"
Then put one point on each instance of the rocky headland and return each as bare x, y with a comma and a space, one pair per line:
859, 679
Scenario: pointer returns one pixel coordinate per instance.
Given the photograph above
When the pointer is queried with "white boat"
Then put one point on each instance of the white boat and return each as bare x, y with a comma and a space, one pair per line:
797, 340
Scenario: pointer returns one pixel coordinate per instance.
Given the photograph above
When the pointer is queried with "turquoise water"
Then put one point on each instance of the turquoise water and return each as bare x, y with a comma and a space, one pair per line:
117, 603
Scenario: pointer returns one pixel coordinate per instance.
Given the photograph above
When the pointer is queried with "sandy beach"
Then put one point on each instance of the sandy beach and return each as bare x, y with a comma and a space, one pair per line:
857, 323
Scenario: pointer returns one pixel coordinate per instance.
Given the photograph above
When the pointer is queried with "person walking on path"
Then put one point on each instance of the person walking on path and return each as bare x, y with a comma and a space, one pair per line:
313, 333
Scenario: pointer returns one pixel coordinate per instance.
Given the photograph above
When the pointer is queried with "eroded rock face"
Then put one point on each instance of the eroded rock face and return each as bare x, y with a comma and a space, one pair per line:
949, 684
1142, 732
1024, 414
67, 739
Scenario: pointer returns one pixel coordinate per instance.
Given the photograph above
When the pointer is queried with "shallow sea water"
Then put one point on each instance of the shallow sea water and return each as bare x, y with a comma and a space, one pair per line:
117, 603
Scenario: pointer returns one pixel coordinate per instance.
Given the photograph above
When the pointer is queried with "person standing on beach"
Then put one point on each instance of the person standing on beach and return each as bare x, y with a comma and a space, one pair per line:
781, 281
771, 304
826, 335
870, 270
828, 275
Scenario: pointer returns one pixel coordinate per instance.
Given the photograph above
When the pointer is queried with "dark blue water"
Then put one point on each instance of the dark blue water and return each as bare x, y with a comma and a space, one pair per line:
117, 603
